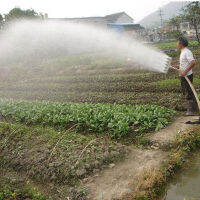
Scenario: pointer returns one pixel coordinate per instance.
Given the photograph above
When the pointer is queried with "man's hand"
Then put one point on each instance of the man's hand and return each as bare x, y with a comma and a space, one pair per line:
184, 73
191, 65
176, 66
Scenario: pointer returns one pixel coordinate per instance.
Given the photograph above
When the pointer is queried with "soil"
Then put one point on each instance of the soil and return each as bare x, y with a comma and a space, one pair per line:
115, 182
167, 135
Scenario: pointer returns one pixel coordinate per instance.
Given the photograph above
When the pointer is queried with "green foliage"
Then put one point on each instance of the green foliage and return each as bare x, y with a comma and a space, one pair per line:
173, 54
55, 155
65, 79
190, 141
18, 13
10, 191
173, 82
175, 22
167, 82
1, 19
174, 34
172, 45
117, 120
192, 15
170, 48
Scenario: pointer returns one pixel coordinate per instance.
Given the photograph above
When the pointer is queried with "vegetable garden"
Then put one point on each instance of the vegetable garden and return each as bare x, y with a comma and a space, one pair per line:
70, 117
117, 120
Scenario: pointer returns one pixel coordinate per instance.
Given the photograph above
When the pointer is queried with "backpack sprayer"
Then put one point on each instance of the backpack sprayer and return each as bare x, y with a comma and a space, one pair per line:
166, 68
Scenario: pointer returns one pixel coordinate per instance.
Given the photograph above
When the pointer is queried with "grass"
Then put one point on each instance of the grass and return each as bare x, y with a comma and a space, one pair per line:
14, 190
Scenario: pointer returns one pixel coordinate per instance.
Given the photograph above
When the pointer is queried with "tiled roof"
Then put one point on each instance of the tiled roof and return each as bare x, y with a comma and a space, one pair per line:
114, 17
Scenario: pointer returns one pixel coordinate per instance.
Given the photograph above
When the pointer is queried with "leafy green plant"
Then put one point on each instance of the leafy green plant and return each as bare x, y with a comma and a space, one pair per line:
172, 45
115, 120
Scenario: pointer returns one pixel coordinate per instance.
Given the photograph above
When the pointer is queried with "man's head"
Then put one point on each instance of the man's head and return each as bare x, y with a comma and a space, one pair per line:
182, 42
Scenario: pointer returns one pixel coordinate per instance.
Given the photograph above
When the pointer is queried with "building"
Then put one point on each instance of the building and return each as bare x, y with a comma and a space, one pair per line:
187, 29
120, 22
121, 17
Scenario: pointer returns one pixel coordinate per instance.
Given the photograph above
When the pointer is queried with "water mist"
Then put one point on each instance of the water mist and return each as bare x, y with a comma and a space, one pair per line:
40, 39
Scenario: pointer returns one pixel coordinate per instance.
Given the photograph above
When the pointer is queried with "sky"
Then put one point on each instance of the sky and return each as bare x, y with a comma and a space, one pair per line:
137, 9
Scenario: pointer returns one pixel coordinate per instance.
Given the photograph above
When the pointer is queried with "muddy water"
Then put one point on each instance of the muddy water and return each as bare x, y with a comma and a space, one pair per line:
186, 186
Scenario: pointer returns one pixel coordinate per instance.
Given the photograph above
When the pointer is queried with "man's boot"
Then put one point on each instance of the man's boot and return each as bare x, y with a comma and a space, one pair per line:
190, 109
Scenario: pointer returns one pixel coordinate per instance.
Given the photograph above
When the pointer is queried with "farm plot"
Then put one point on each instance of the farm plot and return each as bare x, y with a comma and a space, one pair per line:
115, 120
93, 79
55, 156
47, 151
109, 102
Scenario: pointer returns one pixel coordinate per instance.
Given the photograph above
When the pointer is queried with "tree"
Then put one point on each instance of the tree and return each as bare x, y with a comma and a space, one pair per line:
175, 34
192, 15
1, 18
18, 13
175, 22
1, 21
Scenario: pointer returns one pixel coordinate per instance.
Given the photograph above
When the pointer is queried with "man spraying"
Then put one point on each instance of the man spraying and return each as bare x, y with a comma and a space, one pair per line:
187, 62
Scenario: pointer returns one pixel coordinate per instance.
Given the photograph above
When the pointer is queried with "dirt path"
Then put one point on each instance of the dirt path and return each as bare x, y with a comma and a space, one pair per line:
166, 135
115, 182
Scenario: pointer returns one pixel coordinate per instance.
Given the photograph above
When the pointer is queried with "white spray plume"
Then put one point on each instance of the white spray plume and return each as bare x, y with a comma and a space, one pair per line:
29, 39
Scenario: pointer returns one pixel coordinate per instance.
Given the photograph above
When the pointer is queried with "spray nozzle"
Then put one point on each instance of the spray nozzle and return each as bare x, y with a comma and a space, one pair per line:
167, 65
